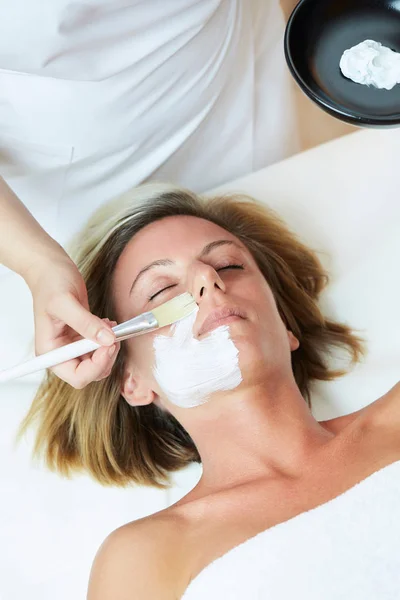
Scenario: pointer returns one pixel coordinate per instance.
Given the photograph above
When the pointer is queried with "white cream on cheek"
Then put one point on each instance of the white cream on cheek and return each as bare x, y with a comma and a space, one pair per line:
190, 370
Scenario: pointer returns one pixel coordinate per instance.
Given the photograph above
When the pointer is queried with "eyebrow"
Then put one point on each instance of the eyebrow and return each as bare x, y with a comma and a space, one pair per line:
164, 262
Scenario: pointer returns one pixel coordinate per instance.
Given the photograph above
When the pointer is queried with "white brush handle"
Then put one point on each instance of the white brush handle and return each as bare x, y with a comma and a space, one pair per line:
139, 325
50, 359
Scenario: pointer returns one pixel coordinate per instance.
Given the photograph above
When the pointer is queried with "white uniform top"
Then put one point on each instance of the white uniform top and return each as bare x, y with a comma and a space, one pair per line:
97, 96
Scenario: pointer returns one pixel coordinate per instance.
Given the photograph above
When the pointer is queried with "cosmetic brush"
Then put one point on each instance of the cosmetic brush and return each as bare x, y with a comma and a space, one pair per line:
166, 314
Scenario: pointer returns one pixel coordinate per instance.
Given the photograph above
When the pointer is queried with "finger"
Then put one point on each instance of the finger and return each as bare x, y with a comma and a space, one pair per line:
68, 371
80, 373
69, 338
71, 311
90, 354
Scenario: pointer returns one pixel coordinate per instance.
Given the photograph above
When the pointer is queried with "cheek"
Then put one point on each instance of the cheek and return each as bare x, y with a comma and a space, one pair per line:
270, 333
141, 353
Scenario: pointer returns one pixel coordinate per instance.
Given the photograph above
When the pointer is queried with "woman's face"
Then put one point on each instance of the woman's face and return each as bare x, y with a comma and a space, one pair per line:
217, 269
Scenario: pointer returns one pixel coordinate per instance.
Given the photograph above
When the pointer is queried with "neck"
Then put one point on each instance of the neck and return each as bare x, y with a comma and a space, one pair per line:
256, 433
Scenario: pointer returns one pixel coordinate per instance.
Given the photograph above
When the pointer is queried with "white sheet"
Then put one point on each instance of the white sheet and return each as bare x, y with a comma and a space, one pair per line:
347, 547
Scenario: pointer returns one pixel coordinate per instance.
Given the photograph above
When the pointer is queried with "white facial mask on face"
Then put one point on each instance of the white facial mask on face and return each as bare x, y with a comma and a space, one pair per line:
189, 370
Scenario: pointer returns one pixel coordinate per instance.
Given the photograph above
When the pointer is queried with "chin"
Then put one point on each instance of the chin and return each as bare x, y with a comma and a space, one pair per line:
247, 343
251, 363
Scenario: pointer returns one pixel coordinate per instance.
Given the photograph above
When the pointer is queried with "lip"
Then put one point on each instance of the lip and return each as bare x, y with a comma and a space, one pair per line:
218, 315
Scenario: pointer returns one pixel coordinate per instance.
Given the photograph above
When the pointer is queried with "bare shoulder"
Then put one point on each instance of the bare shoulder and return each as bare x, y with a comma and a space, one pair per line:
382, 414
140, 560
385, 411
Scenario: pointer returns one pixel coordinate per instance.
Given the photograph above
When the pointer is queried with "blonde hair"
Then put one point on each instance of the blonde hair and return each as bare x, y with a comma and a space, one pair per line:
95, 429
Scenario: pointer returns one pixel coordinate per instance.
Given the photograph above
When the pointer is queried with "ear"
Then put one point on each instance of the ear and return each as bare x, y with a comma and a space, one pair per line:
135, 391
293, 341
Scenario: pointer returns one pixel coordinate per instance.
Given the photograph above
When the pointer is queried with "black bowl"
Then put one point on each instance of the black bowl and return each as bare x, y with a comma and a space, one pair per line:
317, 34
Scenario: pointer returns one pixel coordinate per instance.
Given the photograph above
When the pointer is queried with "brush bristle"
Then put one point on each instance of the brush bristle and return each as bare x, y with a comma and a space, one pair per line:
179, 307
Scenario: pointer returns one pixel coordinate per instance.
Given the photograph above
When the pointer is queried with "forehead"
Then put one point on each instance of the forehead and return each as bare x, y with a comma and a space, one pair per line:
172, 235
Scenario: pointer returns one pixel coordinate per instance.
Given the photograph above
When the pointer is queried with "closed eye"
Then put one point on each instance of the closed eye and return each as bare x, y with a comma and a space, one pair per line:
160, 292
231, 267
171, 286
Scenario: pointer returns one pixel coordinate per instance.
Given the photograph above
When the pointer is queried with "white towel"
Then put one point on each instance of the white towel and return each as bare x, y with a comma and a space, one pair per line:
345, 549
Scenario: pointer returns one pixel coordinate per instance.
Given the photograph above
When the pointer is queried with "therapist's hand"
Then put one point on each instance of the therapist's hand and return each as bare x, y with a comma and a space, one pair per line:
62, 316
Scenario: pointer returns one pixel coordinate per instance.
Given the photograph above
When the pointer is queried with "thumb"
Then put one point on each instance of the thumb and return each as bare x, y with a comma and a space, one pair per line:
79, 318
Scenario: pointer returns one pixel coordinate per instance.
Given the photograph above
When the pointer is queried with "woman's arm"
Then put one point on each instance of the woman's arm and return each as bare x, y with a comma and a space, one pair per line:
23, 242
58, 290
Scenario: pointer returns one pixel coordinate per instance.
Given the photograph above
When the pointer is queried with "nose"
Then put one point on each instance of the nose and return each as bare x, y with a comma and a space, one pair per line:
205, 282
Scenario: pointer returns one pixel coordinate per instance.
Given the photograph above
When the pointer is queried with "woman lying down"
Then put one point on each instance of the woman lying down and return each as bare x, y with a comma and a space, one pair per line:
286, 507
